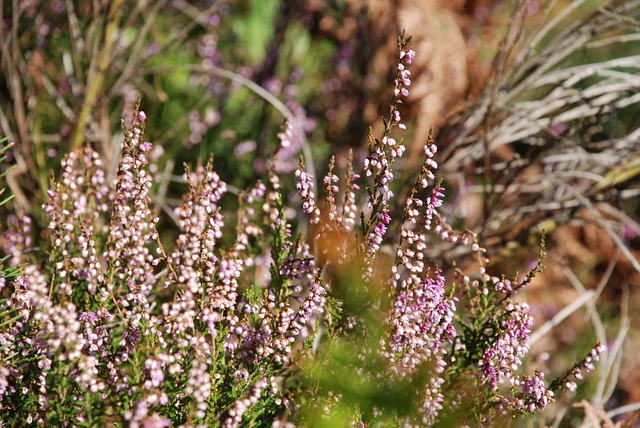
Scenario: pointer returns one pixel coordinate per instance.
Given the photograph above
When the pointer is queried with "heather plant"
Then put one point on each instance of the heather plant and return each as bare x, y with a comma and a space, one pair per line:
332, 317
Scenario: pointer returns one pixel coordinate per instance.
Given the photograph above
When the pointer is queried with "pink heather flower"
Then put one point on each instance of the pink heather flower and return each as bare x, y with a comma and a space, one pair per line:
585, 366
155, 421
430, 165
244, 147
72, 209
422, 327
199, 380
407, 56
402, 81
534, 396
4, 382
404, 76
349, 208
248, 221
132, 230
201, 277
500, 285
281, 324
432, 203
96, 335
290, 145
500, 361
19, 237
155, 368
312, 306
304, 184
146, 146
240, 407
377, 233
422, 322
138, 417
331, 189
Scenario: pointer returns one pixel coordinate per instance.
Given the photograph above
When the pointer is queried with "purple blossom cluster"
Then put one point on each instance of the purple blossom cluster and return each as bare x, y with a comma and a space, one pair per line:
94, 311
196, 264
58, 331
534, 395
74, 205
500, 361
422, 326
276, 326
132, 228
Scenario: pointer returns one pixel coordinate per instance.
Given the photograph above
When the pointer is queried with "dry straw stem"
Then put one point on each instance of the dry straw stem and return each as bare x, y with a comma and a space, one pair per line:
541, 101
595, 417
99, 65
609, 365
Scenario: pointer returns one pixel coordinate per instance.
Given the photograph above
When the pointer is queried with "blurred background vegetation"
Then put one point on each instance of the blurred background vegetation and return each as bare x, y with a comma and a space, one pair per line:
534, 106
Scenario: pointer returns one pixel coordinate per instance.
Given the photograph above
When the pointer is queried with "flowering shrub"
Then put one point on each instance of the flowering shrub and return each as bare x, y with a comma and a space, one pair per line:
243, 322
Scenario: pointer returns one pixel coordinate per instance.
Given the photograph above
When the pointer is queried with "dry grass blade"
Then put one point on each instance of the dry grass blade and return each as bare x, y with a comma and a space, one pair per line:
543, 135
595, 418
